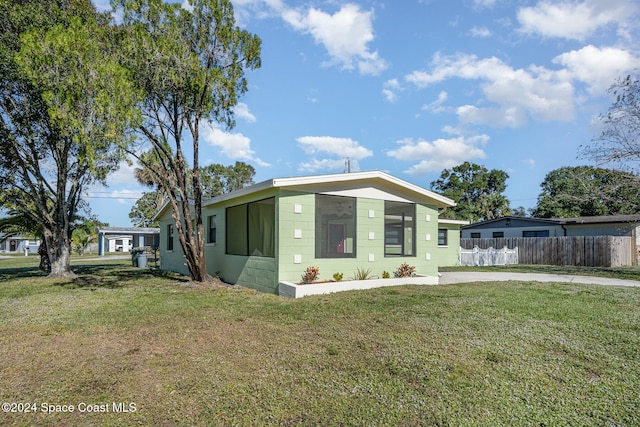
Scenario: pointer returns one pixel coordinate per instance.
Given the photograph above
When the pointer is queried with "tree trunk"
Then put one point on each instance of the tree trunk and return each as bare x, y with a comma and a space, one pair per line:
45, 264
60, 256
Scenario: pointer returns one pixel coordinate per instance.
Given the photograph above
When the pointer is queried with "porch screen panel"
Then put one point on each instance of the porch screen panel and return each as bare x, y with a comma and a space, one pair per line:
335, 226
262, 228
399, 229
237, 239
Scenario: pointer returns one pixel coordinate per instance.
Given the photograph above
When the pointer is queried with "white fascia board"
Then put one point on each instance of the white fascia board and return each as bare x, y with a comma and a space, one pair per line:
452, 221
302, 181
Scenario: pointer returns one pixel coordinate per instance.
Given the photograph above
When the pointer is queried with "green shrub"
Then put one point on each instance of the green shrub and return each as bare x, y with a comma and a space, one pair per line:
362, 274
338, 277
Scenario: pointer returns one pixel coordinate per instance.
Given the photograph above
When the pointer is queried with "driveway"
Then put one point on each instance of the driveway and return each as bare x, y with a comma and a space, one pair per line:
450, 277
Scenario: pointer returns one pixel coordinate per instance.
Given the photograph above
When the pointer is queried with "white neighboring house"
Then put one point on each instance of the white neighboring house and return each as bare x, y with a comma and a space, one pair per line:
18, 244
119, 243
123, 239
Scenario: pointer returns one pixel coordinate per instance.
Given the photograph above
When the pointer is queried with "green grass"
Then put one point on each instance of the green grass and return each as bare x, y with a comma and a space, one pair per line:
503, 354
627, 273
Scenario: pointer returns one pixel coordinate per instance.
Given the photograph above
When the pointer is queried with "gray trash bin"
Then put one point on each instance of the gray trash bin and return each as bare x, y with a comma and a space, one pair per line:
142, 260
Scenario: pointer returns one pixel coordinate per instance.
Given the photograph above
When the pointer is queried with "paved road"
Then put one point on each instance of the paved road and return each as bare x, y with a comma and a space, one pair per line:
450, 277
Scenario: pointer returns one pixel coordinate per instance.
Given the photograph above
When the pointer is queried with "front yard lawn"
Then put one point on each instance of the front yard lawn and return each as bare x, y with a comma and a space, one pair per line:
172, 353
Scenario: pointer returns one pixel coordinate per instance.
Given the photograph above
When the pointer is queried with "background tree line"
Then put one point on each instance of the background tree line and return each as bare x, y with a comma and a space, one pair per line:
567, 192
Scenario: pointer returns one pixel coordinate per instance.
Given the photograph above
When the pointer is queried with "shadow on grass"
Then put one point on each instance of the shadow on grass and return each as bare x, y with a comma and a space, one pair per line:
20, 273
114, 276
92, 276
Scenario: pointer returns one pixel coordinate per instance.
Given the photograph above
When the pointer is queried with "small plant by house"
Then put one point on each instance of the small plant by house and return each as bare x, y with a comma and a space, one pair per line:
338, 277
405, 270
386, 275
310, 275
362, 274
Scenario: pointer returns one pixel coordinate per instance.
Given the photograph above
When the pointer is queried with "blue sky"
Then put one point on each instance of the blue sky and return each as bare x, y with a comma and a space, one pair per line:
412, 87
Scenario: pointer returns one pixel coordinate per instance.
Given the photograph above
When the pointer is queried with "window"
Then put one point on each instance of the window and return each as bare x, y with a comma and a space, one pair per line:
212, 229
475, 235
335, 226
498, 234
251, 229
442, 236
399, 231
170, 237
535, 233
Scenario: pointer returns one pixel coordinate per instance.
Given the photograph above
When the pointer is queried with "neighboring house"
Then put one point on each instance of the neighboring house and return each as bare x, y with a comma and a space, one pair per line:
123, 239
271, 232
510, 226
18, 243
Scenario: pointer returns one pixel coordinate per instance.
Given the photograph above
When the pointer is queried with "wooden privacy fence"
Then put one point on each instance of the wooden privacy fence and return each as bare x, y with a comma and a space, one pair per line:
589, 251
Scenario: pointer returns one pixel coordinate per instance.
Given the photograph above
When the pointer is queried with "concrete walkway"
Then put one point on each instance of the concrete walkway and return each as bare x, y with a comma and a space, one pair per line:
450, 277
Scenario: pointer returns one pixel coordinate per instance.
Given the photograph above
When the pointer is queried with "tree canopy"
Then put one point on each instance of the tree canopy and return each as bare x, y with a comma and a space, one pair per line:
587, 191
65, 106
476, 190
619, 141
189, 63
216, 179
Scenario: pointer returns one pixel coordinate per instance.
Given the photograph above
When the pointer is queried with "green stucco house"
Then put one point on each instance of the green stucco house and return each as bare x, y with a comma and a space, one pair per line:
265, 236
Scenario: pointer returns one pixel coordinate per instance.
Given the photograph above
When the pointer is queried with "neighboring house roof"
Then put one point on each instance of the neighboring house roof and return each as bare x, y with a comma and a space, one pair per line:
513, 221
604, 219
518, 221
126, 230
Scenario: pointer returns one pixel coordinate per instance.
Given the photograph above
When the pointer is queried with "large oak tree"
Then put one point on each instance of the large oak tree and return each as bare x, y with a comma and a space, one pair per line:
587, 191
476, 190
65, 105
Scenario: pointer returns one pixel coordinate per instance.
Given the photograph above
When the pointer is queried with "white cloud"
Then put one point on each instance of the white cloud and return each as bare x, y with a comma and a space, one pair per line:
345, 34
537, 92
482, 32
326, 165
241, 110
338, 150
125, 196
234, 146
597, 67
484, 3
124, 174
390, 90
436, 106
439, 154
575, 20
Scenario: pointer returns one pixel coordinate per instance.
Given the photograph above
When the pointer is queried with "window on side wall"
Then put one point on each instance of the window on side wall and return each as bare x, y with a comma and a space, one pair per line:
443, 237
475, 235
399, 229
335, 226
535, 233
170, 237
251, 229
212, 229
498, 234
